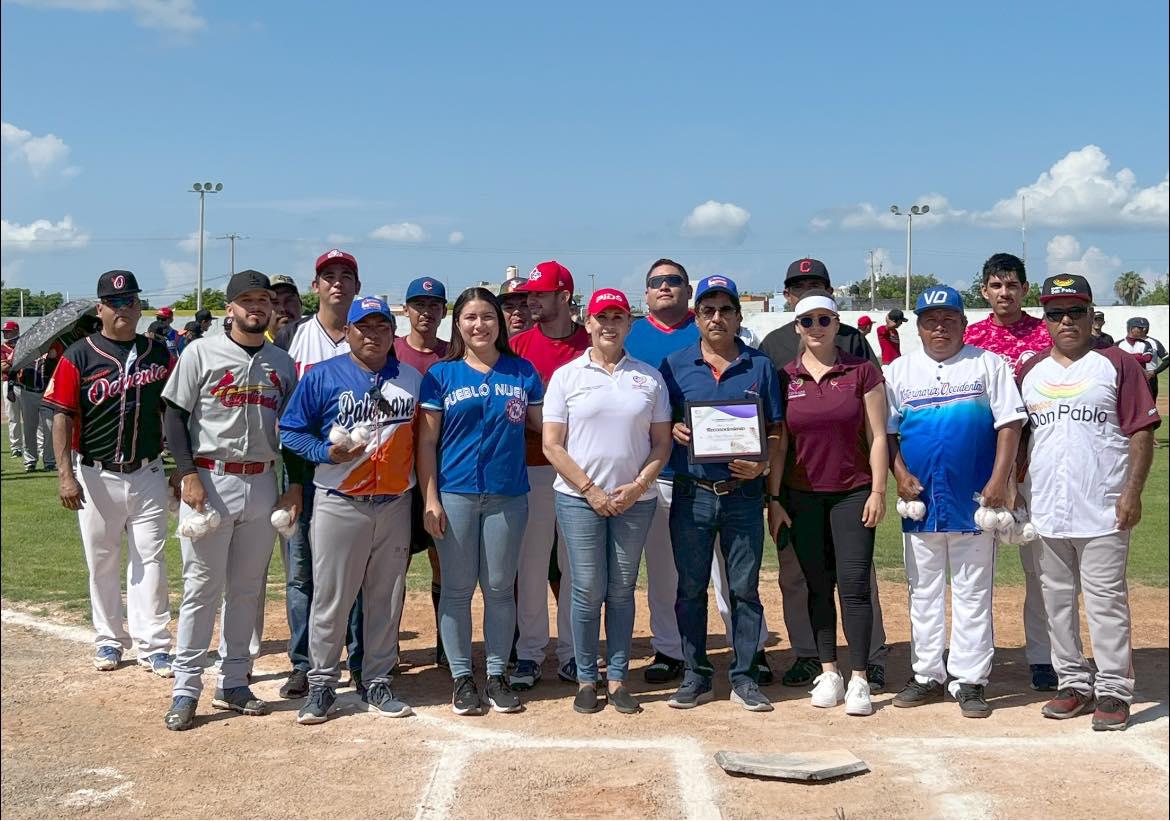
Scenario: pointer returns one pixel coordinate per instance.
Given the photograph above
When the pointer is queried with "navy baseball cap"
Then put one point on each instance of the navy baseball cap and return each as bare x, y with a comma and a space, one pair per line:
939, 296
426, 286
715, 283
365, 306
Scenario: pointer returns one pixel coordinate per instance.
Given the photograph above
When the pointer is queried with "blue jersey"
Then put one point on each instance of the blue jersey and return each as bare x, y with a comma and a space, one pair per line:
481, 446
651, 341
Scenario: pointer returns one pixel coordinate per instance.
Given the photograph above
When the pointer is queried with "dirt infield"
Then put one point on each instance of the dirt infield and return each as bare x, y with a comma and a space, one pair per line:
80, 743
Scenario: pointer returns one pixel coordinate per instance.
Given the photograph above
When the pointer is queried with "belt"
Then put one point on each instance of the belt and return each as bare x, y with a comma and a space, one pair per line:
374, 499
238, 468
721, 487
117, 467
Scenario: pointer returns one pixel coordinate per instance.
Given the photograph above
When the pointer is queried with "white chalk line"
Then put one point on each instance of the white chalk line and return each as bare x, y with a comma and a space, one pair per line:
60, 631
439, 796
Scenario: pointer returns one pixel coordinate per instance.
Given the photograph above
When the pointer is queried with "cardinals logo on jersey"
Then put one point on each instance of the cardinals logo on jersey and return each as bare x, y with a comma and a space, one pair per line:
231, 395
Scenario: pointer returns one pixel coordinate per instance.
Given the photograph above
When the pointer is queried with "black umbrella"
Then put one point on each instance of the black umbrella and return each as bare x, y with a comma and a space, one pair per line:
67, 324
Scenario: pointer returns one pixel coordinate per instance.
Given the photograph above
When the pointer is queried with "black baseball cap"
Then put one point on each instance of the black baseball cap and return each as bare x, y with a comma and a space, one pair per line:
246, 281
202, 315
193, 328
117, 283
896, 315
807, 268
1099, 315
1070, 285
1138, 322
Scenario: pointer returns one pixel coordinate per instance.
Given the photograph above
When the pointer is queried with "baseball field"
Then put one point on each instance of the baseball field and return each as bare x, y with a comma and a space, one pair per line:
78, 743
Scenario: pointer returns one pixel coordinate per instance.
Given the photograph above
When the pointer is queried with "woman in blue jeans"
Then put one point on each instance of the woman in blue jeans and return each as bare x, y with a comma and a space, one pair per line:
607, 433
470, 464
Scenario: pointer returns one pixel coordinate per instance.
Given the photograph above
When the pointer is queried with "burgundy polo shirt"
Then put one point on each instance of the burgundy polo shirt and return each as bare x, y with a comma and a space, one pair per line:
827, 447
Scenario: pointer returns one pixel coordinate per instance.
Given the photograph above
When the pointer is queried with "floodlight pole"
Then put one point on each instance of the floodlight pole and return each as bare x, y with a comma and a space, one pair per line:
201, 189
909, 214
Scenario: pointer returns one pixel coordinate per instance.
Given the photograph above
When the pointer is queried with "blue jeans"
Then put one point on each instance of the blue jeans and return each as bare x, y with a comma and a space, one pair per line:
697, 515
481, 545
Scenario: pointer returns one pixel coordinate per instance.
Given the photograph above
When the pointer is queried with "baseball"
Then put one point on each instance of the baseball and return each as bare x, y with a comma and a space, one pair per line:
901, 508
212, 517
916, 510
361, 434
280, 518
338, 435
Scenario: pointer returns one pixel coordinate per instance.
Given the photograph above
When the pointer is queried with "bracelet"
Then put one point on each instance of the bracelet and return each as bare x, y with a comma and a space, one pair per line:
878, 492
586, 487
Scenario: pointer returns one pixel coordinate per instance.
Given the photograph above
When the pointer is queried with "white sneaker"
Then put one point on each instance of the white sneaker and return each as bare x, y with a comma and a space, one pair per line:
857, 701
828, 690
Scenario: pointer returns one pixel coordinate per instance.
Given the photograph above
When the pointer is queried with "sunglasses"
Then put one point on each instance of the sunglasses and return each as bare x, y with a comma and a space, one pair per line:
822, 320
673, 280
1058, 315
709, 311
120, 301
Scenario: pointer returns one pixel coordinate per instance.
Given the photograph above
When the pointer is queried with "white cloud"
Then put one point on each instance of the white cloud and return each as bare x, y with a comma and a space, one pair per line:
339, 239
191, 243
820, 223
41, 154
866, 215
455, 237
885, 264
723, 221
1079, 192
400, 232
179, 16
1064, 256
42, 235
177, 275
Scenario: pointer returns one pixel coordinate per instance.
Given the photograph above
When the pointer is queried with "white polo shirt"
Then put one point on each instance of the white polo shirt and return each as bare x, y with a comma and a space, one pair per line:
1081, 419
608, 418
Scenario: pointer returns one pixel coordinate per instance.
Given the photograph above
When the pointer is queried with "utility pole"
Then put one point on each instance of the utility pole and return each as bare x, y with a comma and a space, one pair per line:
232, 237
1024, 230
872, 283
593, 284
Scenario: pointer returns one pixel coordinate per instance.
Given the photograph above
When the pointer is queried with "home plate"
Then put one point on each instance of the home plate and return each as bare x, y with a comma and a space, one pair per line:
813, 766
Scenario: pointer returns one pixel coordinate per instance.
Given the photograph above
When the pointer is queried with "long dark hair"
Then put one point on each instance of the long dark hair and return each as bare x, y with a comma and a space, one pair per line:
457, 348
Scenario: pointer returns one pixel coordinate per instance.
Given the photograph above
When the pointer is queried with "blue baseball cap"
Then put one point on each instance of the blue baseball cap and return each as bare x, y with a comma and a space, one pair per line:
365, 306
939, 296
714, 283
426, 286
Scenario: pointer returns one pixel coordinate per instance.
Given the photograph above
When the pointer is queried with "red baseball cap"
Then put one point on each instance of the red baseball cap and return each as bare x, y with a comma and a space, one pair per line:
337, 255
864, 322
548, 276
167, 312
11, 326
608, 298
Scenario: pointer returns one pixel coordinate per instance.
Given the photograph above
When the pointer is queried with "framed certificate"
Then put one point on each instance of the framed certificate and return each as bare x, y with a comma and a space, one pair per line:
726, 429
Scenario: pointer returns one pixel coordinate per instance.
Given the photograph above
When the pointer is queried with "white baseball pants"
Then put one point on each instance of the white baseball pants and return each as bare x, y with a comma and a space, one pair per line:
134, 504
972, 563
15, 428
1037, 648
532, 575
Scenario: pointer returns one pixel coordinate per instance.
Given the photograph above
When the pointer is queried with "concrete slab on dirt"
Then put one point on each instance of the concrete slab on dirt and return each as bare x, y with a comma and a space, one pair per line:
807, 766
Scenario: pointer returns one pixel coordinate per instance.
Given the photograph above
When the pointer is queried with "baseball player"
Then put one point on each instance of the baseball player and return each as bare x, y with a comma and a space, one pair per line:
309, 341
36, 421
107, 432
1148, 352
353, 417
287, 308
11, 399
223, 402
956, 417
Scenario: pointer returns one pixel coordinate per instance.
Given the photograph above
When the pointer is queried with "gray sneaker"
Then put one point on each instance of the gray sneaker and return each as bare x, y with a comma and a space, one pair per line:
381, 700
694, 691
241, 700
317, 707
747, 694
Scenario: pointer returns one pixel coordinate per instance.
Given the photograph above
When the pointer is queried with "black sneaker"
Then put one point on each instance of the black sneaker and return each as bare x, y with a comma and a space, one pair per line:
317, 706
623, 701
915, 694
241, 700
501, 697
876, 675
802, 672
663, 670
760, 671
972, 702
297, 685
465, 698
380, 699
586, 700
181, 716
1044, 678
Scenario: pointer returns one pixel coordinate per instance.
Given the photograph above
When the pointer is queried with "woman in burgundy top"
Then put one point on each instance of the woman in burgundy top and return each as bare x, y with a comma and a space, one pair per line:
835, 475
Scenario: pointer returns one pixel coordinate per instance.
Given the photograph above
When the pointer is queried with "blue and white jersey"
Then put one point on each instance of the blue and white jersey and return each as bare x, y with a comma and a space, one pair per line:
481, 446
947, 415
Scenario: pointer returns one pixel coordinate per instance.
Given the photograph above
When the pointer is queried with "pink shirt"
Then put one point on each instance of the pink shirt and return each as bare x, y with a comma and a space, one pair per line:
1015, 343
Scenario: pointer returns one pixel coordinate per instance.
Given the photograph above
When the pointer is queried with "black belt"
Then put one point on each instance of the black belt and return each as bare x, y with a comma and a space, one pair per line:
722, 487
374, 499
117, 467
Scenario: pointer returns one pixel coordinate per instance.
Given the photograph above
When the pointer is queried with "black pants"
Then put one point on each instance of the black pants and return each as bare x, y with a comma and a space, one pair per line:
835, 548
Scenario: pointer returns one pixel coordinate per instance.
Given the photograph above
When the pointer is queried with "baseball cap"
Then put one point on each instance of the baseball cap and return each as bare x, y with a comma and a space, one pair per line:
807, 268
1138, 322
939, 296
337, 255
11, 326
1098, 314
193, 328
512, 286
716, 283
166, 313
117, 283
365, 306
426, 286
1070, 285
202, 315
245, 281
896, 315
812, 303
607, 298
548, 276
282, 281
864, 322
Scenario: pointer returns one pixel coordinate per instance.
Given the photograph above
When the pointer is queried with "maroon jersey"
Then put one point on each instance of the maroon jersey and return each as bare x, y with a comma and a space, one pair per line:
114, 392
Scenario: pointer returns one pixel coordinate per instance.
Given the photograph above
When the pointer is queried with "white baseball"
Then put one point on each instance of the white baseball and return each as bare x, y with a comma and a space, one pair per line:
280, 518
1028, 532
916, 510
361, 434
901, 508
986, 518
212, 517
1005, 521
338, 435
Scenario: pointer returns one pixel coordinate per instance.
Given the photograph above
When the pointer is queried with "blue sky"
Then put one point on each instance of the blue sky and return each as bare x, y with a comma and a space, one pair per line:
456, 139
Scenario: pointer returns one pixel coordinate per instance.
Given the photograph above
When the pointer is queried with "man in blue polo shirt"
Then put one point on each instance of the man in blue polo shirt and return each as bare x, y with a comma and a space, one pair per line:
720, 499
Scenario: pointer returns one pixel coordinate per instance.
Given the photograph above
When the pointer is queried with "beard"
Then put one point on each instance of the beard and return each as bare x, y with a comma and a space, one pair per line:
249, 325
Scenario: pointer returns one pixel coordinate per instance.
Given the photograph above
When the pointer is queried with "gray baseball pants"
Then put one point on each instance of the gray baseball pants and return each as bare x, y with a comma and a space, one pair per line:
230, 562
15, 428
358, 545
36, 429
1099, 565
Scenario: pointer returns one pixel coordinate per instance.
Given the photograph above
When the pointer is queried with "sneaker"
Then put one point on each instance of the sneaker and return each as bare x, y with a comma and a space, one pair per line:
828, 690
501, 697
525, 676
972, 702
663, 669
355, 678
568, 671
1069, 703
465, 698
318, 705
181, 716
802, 672
760, 671
380, 699
1044, 678
875, 674
586, 700
747, 695
1111, 714
107, 658
157, 663
915, 693
241, 700
297, 685
693, 692
17, 454
30, 468
623, 701
857, 701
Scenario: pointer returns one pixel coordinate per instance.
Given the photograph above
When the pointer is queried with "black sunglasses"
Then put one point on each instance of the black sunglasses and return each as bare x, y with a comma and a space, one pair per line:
120, 301
1058, 315
673, 280
822, 320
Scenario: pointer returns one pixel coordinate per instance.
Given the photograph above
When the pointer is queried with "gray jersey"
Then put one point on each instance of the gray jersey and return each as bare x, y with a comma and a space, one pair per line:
234, 399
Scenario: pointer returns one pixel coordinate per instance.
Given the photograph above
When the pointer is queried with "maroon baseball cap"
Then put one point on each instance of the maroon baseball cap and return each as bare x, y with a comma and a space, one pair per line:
337, 255
11, 326
548, 276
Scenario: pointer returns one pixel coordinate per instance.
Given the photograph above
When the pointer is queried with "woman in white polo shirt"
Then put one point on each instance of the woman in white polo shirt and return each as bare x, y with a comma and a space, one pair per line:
607, 433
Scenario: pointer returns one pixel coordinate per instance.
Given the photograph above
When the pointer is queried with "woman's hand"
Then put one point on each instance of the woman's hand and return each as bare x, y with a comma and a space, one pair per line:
623, 497
874, 510
600, 501
777, 518
746, 470
435, 519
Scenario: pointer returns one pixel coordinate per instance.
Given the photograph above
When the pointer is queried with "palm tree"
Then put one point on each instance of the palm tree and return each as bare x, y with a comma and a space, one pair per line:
1129, 287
